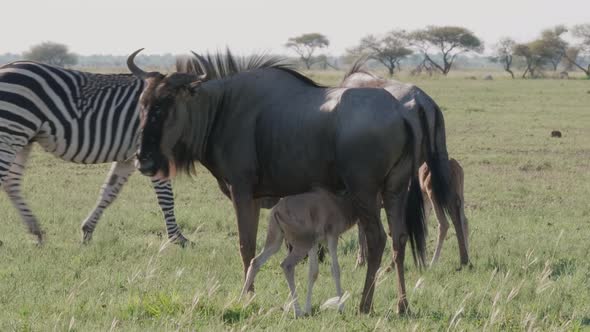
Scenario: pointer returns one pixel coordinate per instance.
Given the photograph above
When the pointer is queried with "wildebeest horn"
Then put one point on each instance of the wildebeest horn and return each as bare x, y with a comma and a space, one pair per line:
133, 67
204, 76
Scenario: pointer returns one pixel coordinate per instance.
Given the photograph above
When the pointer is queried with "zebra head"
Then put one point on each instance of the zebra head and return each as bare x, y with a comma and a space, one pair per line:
162, 113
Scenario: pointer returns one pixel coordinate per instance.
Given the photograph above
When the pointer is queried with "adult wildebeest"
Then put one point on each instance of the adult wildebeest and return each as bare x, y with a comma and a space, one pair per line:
269, 131
414, 100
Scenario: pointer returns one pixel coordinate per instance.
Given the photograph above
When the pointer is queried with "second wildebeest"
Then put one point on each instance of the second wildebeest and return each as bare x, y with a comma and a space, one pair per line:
417, 104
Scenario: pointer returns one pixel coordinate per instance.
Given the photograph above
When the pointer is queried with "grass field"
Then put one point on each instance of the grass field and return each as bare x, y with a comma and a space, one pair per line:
527, 200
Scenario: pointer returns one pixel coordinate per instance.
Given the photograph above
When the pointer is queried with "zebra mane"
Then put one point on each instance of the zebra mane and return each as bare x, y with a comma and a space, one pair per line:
221, 65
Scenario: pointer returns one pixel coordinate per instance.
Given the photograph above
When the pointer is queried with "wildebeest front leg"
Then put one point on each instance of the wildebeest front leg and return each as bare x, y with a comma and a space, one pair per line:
247, 212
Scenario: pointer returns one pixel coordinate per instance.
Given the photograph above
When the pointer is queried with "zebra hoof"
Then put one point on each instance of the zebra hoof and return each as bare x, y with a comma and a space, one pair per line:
183, 242
39, 236
86, 236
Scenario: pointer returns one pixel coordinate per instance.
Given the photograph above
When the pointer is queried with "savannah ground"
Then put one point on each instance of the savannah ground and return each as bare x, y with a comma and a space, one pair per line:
526, 196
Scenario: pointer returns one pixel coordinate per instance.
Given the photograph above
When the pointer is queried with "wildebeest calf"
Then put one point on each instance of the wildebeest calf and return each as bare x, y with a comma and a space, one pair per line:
304, 221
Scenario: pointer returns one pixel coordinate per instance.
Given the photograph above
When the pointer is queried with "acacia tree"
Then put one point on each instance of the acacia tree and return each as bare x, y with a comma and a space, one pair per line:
324, 62
535, 54
504, 51
305, 46
554, 46
450, 41
51, 53
573, 54
389, 50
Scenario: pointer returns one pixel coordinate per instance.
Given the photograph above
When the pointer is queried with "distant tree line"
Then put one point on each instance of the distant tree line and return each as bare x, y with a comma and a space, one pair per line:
549, 50
432, 49
440, 47
59, 55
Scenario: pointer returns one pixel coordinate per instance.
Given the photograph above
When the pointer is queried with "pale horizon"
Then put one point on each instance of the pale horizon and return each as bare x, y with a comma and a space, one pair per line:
118, 28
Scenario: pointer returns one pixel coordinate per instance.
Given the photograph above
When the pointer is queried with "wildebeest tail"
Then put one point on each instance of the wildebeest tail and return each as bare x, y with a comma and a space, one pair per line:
415, 221
437, 157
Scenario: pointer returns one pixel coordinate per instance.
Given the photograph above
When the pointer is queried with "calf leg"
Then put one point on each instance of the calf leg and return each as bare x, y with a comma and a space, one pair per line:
313, 275
333, 249
288, 265
443, 226
274, 238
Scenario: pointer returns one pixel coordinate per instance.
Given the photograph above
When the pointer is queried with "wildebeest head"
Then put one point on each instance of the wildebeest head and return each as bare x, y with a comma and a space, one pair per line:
163, 112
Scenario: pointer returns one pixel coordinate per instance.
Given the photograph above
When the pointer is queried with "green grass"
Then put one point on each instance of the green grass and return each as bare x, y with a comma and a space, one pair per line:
527, 202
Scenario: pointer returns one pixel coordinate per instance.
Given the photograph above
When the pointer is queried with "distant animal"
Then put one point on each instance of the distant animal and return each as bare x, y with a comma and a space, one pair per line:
564, 75
430, 202
264, 130
305, 221
414, 99
556, 133
79, 117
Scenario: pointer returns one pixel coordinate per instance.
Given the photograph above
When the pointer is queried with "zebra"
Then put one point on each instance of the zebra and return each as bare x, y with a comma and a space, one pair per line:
79, 117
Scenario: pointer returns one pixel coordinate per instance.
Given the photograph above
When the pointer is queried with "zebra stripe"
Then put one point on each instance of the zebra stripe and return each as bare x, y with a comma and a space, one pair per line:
77, 116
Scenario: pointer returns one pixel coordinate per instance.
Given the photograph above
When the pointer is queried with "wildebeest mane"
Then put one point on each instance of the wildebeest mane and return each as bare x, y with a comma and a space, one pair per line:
221, 65
358, 67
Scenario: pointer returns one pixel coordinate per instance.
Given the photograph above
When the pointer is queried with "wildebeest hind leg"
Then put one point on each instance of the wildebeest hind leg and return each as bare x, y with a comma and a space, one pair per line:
394, 207
366, 204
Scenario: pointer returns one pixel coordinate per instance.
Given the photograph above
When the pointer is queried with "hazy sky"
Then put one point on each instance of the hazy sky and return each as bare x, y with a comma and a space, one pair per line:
177, 26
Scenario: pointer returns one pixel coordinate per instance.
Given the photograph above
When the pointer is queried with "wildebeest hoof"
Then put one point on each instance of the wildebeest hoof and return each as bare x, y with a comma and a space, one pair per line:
403, 307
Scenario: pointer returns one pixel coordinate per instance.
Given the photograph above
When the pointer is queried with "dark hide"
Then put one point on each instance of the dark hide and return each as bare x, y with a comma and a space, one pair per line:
271, 132
428, 122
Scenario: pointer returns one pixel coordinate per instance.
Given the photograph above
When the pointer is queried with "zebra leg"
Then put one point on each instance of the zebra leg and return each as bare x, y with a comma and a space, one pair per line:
165, 196
13, 187
117, 177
